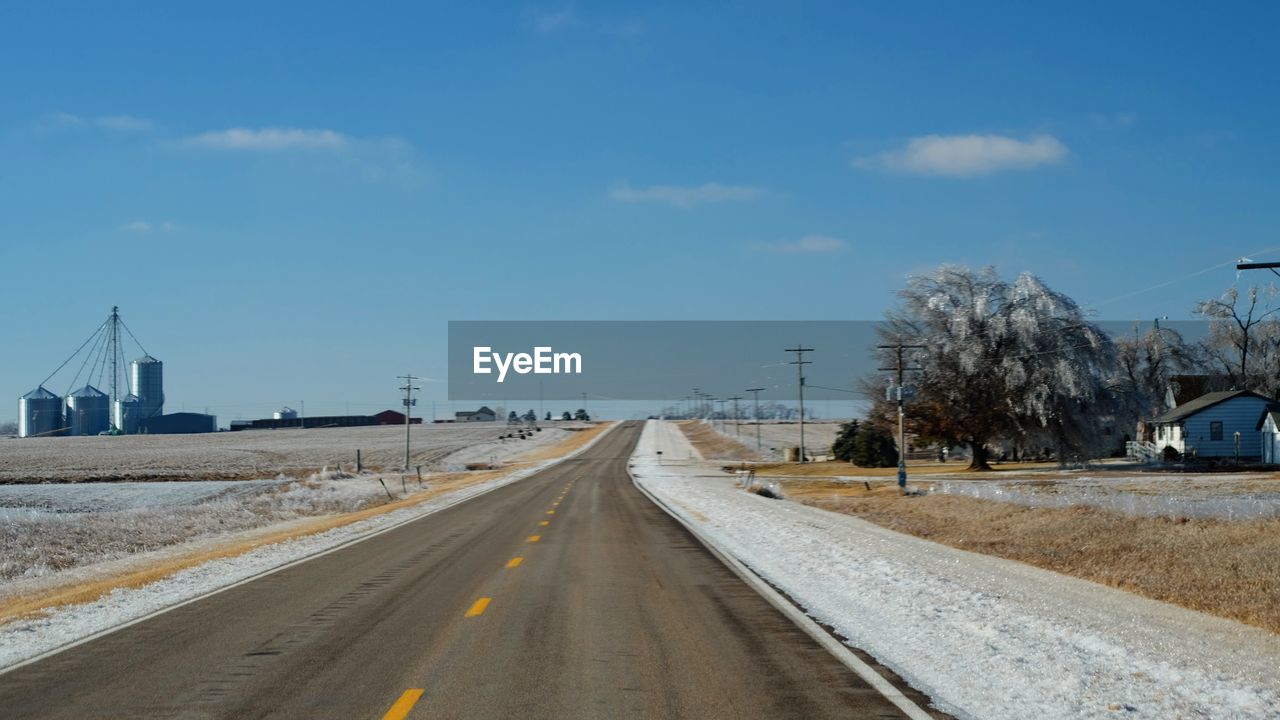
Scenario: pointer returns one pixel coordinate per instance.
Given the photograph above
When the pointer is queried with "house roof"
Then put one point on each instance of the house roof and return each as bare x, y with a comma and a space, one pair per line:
1204, 402
1272, 411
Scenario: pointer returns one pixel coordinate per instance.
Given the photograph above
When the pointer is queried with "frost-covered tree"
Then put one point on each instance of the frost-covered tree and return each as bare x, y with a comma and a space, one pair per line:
1001, 361
1237, 328
1145, 366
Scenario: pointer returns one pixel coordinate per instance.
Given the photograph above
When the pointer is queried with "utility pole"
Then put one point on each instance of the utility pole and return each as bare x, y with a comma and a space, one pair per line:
736, 429
756, 392
800, 362
722, 401
584, 405
409, 402
899, 390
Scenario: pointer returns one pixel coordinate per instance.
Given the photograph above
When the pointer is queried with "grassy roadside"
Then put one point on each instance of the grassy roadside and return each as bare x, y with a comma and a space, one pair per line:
37, 603
712, 444
1225, 568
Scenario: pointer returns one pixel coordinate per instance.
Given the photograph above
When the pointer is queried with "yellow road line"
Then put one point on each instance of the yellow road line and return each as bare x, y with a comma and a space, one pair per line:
535, 538
545, 523
515, 562
551, 512
401, 709
477, 608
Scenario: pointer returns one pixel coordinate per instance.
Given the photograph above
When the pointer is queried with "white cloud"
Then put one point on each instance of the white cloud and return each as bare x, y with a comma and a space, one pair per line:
378, 160
146, 226
116, 123
685, 196
807, 245
548, 22
968, 155
565, 19
123, 123
1113, 121
269, 139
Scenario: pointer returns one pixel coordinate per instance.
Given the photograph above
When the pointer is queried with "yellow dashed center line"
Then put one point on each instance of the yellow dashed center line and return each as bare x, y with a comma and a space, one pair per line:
400, 710
515, 562
544, 523
535, 538
551, 512
477, 608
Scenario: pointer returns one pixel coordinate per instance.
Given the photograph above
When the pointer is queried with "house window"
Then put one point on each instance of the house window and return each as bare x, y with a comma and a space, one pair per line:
1215, 430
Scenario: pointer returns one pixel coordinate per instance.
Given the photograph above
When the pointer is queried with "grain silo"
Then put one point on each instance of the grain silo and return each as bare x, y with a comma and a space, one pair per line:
88, 411
39, 413
146, 379
285, 413
126, 413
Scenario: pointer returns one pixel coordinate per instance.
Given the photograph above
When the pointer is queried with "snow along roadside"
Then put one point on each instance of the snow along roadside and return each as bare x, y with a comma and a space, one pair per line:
23, 642
984, 637
806, 623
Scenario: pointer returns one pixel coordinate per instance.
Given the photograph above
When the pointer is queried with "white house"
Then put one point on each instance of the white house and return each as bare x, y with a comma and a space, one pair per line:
1215, 425
484, 414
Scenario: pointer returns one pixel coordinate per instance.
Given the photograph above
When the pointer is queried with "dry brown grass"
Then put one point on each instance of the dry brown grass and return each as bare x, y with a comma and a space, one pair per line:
26, 606
568, 445
832, 468
713, 445
1230, 569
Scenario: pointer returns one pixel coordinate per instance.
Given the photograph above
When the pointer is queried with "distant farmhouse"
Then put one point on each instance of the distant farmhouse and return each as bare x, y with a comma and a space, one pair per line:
484, 414
1225, 424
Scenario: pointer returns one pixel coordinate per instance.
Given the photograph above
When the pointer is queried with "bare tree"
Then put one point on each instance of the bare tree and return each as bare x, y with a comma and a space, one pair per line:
1235, 324
1146, 364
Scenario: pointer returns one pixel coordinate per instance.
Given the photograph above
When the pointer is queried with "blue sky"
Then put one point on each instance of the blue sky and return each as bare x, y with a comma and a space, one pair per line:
290, 201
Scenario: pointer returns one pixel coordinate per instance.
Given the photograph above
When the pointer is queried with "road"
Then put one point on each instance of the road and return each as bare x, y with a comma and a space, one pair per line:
565, 595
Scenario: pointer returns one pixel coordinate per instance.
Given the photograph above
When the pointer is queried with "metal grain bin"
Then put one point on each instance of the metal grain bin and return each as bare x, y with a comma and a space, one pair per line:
146, 379
39, 413
127, 414
88, 411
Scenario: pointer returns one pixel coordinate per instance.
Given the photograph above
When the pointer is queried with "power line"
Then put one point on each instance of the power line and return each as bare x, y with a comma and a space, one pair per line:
900, 348
756, 392
800, 362
409, 402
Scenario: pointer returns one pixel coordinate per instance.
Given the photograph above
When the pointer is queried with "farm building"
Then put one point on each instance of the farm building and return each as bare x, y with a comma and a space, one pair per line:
484, 414
1215, 425
178, 423
392, 417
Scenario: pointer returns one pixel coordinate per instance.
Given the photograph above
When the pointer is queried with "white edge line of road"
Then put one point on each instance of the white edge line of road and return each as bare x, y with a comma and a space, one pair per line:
298, 561
838, 649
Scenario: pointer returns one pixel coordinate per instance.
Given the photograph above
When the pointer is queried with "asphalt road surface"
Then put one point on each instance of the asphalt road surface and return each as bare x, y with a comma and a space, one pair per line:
565, 595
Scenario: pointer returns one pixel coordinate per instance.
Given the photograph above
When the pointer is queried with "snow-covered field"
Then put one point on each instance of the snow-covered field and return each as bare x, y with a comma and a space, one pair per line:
775, 435
249, 454
24, 639
49, 528
983, 636
1225, 497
